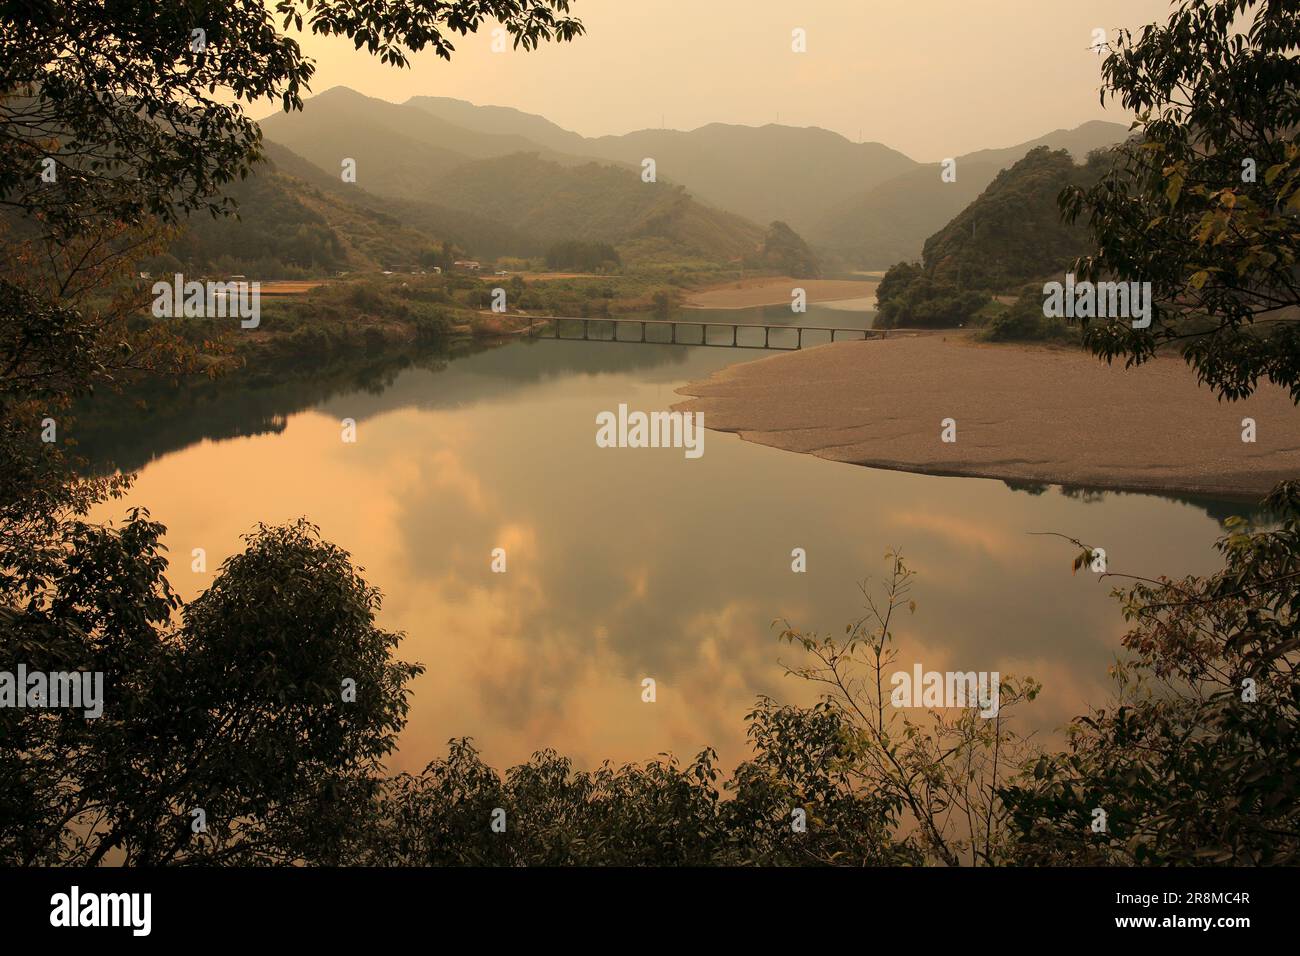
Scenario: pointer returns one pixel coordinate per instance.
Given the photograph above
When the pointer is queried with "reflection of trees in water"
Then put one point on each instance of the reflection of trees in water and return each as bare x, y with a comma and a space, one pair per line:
130, 429
1220, 509
153, 418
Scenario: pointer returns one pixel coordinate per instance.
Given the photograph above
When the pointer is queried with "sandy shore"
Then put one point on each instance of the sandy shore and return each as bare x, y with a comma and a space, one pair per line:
751, 293
1022, 413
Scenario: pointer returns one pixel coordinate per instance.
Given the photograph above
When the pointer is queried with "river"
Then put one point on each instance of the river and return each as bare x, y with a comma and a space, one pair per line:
626, 564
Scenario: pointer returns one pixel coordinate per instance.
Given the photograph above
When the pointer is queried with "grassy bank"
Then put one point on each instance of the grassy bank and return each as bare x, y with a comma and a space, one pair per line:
376, 312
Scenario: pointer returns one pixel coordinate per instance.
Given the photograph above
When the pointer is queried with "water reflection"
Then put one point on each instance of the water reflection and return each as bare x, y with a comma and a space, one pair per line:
1220, 509
628, 563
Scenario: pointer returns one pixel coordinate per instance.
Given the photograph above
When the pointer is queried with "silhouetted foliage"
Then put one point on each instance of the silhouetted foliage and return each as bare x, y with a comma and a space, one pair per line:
1195, 761
239, 710
1203, 203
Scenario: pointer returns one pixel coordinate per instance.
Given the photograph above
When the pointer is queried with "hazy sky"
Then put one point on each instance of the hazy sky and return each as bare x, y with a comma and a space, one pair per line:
932, 78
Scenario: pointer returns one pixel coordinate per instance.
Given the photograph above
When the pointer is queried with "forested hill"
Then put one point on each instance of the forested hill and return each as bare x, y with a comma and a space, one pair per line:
288, 227
488, 173
890, 221
475, 234
595, 202
1010, 236
1012, 232
295, 218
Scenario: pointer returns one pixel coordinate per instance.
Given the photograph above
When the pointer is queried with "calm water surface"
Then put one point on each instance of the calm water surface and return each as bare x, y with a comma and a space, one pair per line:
633, 563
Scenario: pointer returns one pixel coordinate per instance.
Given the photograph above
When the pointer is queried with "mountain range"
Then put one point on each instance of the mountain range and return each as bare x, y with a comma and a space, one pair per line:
497, 181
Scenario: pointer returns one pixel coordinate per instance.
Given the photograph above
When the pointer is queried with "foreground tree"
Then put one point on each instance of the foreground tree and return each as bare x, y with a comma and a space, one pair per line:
792, 804
1203, 200
1196, 761
253, 731
122, 111
940, 769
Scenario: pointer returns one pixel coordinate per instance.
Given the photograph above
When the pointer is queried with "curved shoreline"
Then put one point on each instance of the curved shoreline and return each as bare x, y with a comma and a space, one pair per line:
1023, 413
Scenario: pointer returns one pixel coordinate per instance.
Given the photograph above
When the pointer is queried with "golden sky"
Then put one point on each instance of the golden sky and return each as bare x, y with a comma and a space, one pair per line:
933, 78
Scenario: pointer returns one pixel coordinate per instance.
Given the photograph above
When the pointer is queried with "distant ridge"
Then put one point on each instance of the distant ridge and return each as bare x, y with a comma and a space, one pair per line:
890, 222
863, 203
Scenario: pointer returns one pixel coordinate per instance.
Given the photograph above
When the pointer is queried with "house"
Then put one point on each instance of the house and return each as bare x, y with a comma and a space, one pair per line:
469, 265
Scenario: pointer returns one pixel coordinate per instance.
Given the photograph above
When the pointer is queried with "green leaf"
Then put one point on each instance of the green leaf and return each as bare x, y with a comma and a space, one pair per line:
1174, 188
